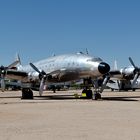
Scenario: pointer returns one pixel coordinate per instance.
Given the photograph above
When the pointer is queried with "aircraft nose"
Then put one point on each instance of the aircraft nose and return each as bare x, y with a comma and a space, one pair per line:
103, 68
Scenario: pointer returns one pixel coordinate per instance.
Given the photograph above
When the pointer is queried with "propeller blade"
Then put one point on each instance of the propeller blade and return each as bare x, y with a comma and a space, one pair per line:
118, 84
35, 68
136, 71
135, 79
2, 74
131, 61
43, 78
2, 83
41, 88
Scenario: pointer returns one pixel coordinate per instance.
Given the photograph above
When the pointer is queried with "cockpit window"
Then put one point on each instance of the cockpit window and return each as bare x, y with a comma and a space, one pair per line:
95, 59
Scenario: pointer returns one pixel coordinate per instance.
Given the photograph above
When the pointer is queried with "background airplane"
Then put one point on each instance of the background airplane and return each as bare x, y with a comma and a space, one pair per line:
126, 78
4, 69
57, 69
123, 86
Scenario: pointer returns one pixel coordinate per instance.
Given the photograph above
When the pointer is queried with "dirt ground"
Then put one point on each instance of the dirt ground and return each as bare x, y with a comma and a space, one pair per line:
62, 117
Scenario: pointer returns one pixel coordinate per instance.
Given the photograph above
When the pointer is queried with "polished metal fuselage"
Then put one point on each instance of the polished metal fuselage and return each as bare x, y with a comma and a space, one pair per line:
66, 67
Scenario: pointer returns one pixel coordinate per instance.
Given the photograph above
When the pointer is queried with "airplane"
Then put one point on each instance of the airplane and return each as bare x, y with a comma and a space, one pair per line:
125, 78
123, 86
61, 68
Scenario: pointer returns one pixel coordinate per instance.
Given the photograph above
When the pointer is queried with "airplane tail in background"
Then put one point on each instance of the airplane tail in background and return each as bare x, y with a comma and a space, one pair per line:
18, 59
18, 65
15, 63
115, 65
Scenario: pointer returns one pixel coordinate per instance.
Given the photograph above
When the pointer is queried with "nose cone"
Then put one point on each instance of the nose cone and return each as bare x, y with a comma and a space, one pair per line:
103, 68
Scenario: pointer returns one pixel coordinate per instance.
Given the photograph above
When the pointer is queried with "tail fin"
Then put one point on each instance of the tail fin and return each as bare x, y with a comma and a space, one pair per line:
15, 63
18, 59
19, 65
115, 65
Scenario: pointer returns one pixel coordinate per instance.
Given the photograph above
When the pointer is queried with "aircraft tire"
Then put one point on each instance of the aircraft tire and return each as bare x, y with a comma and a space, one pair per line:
112, 89
96, 96
27, 93
133, 89
89, 94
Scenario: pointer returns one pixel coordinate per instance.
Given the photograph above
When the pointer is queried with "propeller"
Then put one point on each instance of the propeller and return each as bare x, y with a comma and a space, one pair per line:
42, 76
2, 74
131, 61
136, 71
119, 86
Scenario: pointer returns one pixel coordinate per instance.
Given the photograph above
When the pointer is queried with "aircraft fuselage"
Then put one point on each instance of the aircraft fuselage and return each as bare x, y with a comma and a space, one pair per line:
69, 67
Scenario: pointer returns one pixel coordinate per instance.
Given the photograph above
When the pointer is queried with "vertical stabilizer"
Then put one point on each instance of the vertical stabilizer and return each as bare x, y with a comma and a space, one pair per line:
18, 58
115, 65
19, 65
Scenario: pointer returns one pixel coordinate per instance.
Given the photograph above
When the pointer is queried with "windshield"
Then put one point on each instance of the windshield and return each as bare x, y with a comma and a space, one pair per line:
95, 59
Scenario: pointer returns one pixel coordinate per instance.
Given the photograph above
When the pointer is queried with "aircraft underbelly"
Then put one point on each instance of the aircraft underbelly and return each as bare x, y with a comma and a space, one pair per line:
69, 77
12, 74
65, 77
21, 78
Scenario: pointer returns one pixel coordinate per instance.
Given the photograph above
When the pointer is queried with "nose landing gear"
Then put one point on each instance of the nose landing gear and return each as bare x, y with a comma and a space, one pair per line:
89, 93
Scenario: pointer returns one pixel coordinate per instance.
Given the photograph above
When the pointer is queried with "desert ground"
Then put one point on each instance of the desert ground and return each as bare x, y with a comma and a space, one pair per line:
61, 116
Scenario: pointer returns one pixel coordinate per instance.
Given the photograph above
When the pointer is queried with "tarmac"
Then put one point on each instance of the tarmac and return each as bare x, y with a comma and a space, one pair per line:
63, 116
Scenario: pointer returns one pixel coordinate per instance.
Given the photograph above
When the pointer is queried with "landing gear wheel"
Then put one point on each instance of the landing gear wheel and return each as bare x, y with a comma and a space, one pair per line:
96, 96
133, 89
89, 94
27, 93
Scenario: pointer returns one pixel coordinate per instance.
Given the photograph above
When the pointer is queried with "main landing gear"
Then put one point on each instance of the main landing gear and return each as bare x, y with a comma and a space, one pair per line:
27, 93
96, 96
90, 95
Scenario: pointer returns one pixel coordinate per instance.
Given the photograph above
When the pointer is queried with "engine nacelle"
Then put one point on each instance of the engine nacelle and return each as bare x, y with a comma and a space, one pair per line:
128, 72
33, 76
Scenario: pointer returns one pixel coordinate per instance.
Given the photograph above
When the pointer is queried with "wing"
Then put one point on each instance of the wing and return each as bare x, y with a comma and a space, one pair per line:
16, 75
116, 74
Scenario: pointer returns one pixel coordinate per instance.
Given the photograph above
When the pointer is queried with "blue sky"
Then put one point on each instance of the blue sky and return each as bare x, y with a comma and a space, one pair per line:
36, 29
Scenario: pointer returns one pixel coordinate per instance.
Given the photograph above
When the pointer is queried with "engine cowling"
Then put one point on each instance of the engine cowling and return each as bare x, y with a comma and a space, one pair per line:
128, 72
33, 76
